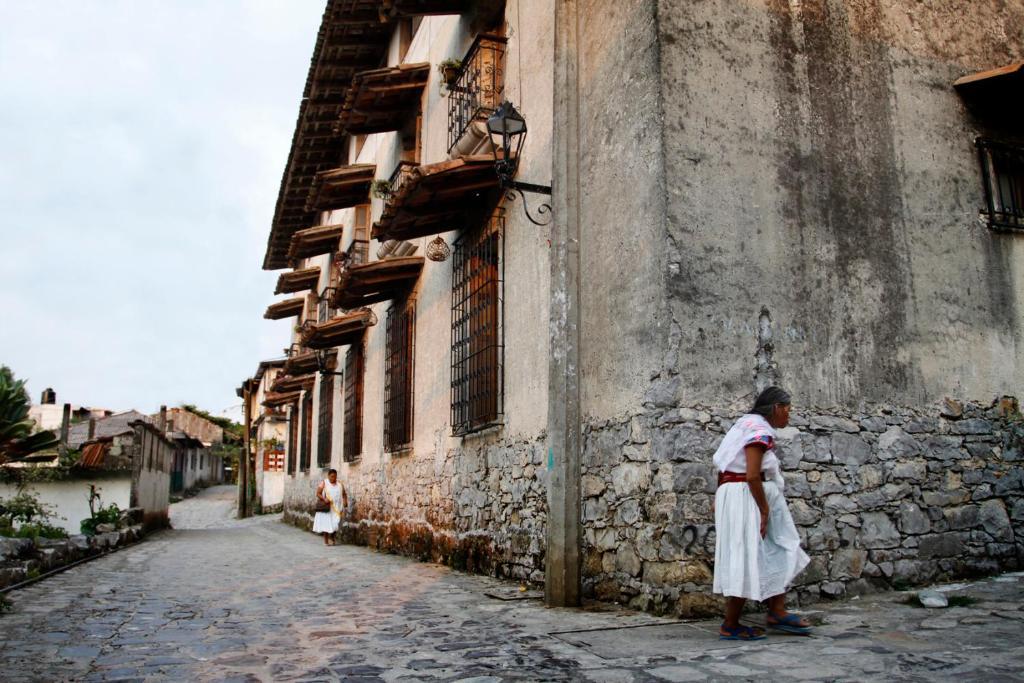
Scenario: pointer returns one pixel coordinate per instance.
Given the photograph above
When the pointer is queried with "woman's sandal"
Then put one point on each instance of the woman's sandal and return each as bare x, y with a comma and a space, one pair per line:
740, 633
790, 623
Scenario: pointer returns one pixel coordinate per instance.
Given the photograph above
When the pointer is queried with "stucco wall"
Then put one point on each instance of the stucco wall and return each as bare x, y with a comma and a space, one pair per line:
432, 497
70, 498
820, 164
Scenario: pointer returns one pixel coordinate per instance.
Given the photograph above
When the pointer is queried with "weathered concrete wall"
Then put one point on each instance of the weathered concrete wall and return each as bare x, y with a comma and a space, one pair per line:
882, 497
623, 313
819, 163
194, 425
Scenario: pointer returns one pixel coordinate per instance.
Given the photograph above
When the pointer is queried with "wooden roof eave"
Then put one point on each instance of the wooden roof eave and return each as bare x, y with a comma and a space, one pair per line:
377, 281
435, 193
341, 188
288, 383
274, 400
339, 331
303, 363
285, 309
298, 280
322, 239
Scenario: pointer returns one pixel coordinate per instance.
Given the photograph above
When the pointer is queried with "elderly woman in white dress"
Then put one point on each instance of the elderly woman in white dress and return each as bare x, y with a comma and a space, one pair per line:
757, 547
332, 495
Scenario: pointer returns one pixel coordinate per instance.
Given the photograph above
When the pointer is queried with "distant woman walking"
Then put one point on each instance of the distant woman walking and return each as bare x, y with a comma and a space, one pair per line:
332, 499
757, 547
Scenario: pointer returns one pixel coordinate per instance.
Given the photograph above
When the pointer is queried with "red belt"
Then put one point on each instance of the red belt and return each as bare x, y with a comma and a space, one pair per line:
733, 477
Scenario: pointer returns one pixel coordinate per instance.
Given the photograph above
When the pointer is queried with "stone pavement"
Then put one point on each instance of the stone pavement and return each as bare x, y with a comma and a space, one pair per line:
259, 601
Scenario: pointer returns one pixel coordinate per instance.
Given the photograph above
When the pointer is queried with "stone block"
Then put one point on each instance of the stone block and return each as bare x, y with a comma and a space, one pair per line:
830, 423
592, 485
627, 561
694, 478
646, 545
15, 548
696, 571
833, 589
628, 512
822, 536
994, 519
940, 545
595, 510
870, 500
870, 477
605, 539
848, 563
963, 517
979, 449
849, 449
971, 426
837, 504
913, 519
943, 448
803, 513
878, 531
945, 498
815, 449
873, 424
826, 484
922, 425
663, 573
895, 443
914, 470
630, 478
796, 485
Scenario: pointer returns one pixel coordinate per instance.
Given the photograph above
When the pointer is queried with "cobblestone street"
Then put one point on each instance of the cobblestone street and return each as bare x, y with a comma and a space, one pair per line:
217, 599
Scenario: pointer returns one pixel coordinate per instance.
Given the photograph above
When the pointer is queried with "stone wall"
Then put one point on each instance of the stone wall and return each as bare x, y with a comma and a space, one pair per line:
882, 498
480, 508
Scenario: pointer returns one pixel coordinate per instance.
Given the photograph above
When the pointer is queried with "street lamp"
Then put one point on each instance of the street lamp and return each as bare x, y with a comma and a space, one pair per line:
510, 125
323, 363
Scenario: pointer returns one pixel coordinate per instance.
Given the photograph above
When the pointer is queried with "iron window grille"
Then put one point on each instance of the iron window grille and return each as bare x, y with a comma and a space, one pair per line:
307, 430
478, 350
354, 369
323, 438
398, 376
1002, 167
480, 87
399, 177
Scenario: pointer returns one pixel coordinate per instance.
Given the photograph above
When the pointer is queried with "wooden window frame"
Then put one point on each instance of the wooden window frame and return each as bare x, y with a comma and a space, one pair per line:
325, 418
307, 432
293, 440
399, 375
1002, 168
355, 370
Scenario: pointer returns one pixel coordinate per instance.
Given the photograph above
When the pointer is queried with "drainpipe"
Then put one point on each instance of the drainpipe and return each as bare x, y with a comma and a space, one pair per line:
562, 586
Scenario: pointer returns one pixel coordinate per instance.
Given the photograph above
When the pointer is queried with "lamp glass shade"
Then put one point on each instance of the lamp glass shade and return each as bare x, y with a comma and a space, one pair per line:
506, 121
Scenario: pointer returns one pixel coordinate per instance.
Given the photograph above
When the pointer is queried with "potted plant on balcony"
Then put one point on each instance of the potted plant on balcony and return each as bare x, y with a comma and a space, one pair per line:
381, 189
450, 70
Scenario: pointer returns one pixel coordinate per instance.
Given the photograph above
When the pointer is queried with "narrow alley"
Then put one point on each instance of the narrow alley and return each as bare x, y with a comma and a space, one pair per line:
210, 600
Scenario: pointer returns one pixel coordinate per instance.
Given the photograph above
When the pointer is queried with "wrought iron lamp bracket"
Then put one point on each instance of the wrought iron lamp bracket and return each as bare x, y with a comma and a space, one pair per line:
321, 364
512, 187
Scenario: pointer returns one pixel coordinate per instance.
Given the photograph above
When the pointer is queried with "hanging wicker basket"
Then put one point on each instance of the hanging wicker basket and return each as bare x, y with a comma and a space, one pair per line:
437, 249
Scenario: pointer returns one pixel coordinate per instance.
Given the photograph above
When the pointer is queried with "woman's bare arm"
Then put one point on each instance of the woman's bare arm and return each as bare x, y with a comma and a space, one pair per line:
320, 492
755, 453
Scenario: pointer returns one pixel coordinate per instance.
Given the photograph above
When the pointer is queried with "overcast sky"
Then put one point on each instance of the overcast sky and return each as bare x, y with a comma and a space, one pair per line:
141, 147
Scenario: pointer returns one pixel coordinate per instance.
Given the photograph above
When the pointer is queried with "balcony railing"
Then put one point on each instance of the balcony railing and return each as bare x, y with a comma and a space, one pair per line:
399, 177
357, 253
479, 88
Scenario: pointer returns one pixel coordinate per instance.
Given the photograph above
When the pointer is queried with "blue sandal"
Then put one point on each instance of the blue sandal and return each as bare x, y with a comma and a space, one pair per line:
739, 633
788, 624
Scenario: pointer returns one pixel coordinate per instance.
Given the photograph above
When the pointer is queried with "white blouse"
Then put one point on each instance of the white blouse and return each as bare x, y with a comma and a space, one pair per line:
749, 429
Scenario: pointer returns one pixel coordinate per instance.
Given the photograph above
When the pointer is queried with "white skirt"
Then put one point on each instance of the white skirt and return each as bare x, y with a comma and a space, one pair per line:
747, 566
325, 522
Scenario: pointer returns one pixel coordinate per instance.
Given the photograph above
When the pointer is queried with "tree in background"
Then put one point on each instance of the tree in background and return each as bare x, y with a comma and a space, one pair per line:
16, 437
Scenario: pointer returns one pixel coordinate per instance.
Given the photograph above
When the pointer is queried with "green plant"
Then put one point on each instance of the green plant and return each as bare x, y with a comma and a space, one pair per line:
5, 604
381, 189
99, 514
449, 69
16, 437
23, 509
40, 530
